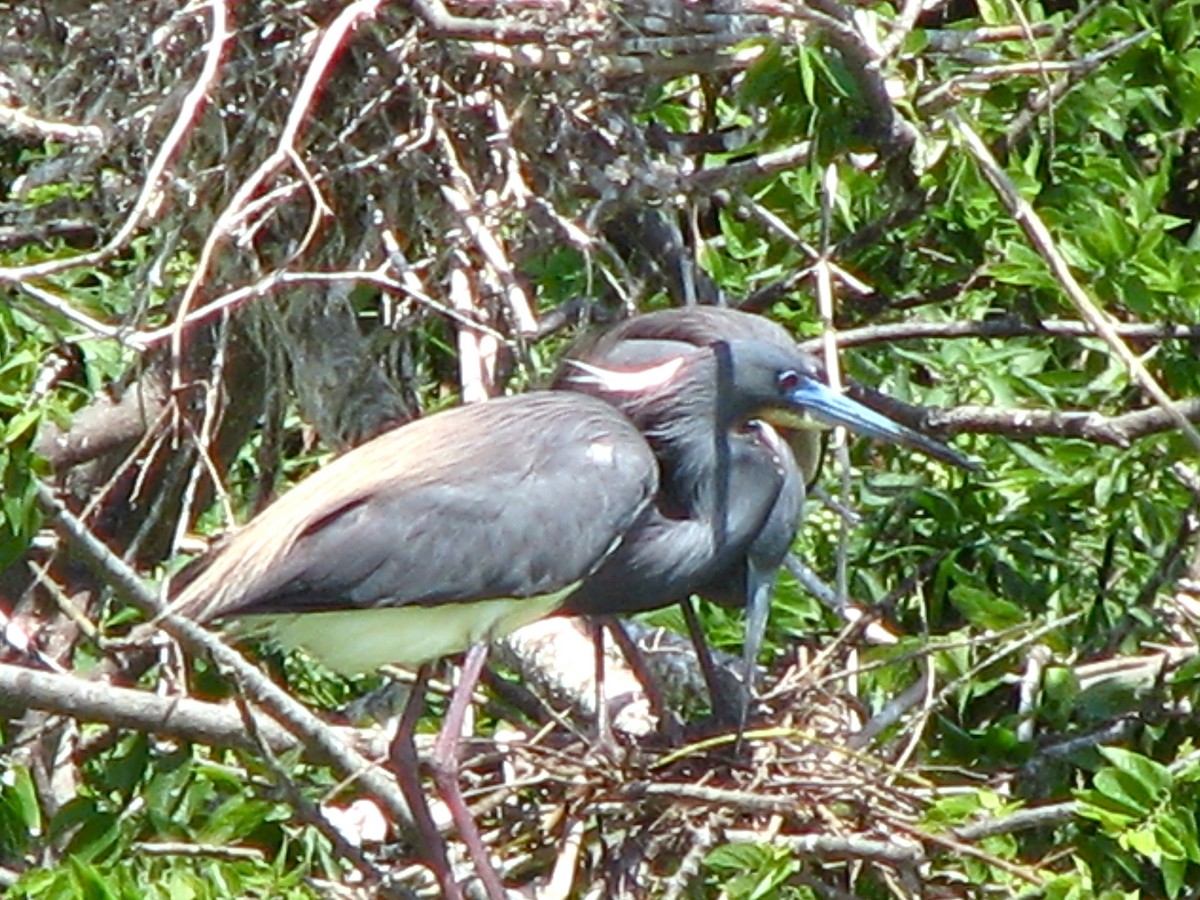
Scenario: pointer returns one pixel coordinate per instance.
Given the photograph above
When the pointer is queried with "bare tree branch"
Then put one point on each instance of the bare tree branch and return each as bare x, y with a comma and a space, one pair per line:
213, 724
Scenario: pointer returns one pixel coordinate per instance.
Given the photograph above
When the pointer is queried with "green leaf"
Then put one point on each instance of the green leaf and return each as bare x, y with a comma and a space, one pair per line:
1127, 790
20, 814
1114, 818
984, 609
89, 883
1179, 26
993, 12
1174, 874
1153, 776
20, 424
93, 830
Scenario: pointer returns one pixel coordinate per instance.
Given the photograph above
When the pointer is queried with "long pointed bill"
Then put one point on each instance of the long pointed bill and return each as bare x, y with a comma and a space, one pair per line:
831, 408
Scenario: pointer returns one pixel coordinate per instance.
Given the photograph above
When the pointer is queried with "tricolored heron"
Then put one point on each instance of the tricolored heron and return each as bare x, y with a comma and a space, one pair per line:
771, 461
432, 538
445, 533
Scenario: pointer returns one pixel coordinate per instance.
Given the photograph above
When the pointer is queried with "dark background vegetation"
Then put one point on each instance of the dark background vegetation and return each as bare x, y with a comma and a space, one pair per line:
238, 237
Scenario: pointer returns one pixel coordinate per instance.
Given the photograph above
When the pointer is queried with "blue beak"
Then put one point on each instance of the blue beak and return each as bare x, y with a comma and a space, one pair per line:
831, 408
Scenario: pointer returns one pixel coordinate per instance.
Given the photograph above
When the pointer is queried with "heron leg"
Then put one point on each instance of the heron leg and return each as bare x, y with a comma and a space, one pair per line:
407, 767
606, 742
725, 710
446, 771
760, 586
637, 663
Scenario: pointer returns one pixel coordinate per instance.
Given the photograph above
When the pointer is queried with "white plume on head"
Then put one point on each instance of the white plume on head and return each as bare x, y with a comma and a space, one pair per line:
630, 381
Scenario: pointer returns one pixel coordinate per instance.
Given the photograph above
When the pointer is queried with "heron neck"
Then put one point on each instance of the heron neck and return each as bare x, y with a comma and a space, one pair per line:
691, 433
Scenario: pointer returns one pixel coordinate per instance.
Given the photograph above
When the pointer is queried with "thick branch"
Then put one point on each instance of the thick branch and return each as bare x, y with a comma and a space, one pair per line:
214, 724
443, 24
827, 846
106, 425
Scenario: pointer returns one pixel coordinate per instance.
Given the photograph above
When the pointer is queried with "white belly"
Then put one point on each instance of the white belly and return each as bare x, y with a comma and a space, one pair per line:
361, 640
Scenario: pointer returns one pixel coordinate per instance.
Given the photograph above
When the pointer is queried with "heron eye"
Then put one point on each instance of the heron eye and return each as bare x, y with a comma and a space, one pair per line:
789, 380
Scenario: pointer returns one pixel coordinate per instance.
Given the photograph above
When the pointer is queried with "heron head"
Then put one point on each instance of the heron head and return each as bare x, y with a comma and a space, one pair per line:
662, 382
785, 386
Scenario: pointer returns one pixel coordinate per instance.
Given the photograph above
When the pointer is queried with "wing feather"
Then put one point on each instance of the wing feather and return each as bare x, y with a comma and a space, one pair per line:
517, 497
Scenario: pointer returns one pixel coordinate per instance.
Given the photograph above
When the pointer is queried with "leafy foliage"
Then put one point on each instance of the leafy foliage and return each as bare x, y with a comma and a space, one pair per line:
1040, 612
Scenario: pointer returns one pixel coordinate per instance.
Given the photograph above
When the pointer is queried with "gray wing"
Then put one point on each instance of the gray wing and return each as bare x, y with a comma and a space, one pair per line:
514, 498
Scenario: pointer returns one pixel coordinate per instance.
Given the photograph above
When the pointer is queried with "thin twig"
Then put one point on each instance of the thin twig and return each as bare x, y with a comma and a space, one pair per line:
233, 215
1007, 327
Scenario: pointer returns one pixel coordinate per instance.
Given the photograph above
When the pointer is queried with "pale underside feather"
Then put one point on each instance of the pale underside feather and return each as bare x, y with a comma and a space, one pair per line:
353, 642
